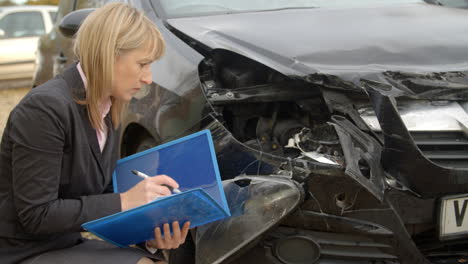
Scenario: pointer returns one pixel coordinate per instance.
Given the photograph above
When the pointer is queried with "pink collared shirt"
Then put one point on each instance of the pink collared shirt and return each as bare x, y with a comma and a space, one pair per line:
104, 108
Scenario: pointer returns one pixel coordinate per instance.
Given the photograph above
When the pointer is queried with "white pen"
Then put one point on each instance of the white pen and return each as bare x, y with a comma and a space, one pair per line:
144, 176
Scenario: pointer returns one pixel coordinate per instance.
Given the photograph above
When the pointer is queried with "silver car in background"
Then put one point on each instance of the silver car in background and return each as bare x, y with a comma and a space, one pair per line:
20, 28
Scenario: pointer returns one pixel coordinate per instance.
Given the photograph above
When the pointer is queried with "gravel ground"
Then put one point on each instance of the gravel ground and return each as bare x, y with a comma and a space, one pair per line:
9, 98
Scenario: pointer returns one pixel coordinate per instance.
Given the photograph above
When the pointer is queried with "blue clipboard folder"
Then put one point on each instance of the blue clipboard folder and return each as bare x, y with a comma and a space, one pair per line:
191, 161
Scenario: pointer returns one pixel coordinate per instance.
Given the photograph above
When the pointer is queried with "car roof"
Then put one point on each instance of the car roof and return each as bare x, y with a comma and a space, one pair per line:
28, 8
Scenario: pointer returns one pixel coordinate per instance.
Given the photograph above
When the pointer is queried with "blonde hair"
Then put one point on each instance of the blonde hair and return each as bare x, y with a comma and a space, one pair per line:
106, 33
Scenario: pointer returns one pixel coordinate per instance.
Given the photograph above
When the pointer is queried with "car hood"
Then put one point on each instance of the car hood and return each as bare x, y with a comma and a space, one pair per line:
354, 44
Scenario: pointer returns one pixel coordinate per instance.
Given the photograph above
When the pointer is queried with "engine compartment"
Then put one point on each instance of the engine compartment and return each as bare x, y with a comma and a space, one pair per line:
268, 111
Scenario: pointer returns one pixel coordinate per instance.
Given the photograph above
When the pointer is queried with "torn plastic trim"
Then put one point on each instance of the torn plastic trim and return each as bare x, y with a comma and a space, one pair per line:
339, 102
361, 149
257, 204
402, 159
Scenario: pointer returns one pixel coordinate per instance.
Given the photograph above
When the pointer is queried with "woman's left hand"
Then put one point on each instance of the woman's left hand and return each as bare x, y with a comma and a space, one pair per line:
169, 241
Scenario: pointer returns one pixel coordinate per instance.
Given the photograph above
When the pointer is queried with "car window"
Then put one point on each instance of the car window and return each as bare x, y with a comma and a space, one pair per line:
22, 24
200, 7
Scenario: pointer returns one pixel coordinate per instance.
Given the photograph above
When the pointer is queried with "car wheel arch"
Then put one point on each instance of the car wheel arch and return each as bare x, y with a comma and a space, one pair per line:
136, 138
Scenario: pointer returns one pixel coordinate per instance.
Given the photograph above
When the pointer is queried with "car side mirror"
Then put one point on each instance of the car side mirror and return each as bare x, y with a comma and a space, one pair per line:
2, 33
70, 23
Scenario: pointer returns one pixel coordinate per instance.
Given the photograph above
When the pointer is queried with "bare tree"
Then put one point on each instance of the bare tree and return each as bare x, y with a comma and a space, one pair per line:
42, 2
6, 3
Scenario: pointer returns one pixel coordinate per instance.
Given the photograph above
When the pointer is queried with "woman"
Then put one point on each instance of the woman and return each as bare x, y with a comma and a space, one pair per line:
60, 146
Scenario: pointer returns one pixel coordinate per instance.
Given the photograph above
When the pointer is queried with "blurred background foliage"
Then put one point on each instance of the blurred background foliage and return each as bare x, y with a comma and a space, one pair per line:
6, 2
28, 2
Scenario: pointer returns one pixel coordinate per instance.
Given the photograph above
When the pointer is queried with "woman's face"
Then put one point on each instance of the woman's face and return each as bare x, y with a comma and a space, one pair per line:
131, 71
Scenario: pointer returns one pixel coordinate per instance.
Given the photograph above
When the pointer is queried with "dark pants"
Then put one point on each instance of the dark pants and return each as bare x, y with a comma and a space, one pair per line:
91, 251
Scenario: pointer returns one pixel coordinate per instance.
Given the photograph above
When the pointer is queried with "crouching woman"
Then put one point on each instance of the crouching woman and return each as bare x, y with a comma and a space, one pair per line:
60, 146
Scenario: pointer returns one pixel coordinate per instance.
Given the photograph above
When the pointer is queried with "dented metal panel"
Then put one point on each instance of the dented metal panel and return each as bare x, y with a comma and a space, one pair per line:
349, 42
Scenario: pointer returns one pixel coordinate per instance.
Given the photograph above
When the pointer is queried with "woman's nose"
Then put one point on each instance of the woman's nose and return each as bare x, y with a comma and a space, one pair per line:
147, 77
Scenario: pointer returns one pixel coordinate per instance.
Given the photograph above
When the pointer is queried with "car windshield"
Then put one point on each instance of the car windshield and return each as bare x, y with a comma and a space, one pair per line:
181, 8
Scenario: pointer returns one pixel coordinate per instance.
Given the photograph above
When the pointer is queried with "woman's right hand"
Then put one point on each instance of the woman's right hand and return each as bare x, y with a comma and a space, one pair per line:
146, 191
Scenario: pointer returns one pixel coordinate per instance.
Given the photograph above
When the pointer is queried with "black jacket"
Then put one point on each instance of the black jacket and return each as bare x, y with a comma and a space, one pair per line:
52, 172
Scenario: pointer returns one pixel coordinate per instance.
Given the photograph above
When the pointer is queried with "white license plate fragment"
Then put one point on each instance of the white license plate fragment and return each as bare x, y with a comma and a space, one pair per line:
453, 217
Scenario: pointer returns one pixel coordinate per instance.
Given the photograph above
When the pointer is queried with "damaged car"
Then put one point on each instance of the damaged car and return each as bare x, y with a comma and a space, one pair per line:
340, 127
